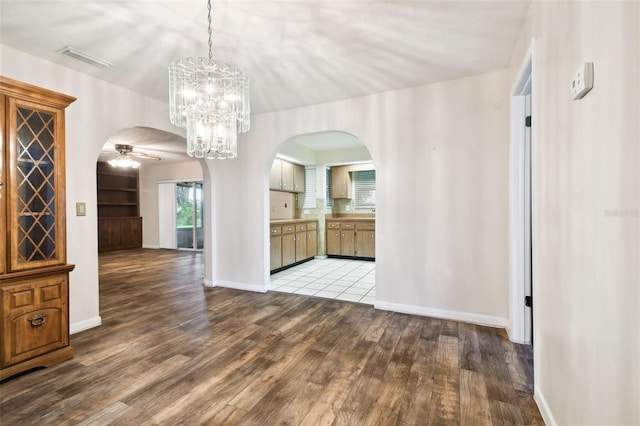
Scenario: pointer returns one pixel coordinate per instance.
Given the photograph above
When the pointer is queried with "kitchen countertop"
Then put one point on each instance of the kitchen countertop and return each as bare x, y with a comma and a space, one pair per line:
342, 217
283, 221
351, 219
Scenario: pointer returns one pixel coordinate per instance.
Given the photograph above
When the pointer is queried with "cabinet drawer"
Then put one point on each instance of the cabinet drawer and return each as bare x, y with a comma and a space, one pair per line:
311, 226
301, 227
348, 225
34, 333
35, 319
35, 294
288, 229
366, 226
333, 225
276, 230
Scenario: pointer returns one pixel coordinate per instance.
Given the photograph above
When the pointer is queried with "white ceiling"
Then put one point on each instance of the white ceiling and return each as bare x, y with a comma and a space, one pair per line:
296, 53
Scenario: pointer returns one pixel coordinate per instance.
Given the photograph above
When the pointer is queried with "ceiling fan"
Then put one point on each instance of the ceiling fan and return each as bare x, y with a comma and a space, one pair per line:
126, 160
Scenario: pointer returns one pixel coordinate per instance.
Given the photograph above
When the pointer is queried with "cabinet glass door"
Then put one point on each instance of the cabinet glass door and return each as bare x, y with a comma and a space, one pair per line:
34, 180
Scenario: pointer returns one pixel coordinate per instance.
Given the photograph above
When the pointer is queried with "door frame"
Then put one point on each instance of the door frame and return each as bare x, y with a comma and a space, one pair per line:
520, 262
167, 212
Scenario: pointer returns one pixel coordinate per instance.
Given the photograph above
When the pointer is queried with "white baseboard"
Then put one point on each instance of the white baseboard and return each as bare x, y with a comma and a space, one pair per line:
208, 283
150, 247
239, 286
443, 314
79, 326
543, 407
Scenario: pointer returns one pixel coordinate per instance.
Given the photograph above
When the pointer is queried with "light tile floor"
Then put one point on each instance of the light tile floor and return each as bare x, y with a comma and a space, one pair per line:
341, 279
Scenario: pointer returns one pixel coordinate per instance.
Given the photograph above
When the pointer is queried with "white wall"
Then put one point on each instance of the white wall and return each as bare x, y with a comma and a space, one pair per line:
150, 175
586, 200
441, 157
101, 110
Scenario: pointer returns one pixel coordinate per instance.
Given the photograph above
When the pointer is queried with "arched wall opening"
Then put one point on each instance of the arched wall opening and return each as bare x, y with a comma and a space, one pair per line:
312, 155
136, 203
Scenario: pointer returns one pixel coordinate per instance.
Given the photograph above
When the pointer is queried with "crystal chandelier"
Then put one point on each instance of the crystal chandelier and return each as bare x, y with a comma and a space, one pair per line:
210, 99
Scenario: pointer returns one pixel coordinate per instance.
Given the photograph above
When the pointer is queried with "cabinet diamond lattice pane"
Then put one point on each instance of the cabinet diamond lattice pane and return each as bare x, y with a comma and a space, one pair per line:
36, 185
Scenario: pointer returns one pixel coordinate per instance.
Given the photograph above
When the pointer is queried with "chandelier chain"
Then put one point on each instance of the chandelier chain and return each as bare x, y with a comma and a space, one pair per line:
209, 30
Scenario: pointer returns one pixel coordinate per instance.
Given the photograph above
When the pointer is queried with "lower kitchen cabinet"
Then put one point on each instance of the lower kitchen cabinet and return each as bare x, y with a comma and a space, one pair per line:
351, 239
276, 247
365, 244
301, 242
292, 243
312, 239
366, 239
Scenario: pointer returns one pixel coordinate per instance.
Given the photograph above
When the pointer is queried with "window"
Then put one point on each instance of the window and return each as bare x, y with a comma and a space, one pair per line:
365, 189
327, 195
308, 199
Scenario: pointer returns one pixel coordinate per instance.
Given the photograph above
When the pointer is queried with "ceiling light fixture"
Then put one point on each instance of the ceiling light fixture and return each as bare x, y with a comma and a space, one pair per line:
85, 57
124, 160
210, 99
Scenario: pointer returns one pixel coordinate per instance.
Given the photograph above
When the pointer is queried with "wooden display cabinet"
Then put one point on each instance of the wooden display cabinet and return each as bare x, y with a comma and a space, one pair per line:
34, 275
119, 221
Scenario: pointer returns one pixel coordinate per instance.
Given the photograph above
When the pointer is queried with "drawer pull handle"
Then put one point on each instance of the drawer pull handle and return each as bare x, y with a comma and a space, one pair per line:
38, 320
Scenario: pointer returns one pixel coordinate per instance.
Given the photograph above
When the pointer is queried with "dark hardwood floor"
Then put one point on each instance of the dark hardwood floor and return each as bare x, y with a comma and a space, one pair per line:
173, 352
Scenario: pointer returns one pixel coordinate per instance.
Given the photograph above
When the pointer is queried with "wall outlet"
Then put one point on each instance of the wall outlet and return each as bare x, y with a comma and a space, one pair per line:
347, 208
582, 81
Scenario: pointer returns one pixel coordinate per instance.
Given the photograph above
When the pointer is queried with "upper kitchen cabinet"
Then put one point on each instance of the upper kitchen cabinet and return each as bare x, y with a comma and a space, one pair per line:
298, 178
286, 176
340, 182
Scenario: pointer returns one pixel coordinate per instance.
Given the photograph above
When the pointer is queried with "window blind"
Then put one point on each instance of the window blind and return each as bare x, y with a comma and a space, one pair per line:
365, 188
309, 196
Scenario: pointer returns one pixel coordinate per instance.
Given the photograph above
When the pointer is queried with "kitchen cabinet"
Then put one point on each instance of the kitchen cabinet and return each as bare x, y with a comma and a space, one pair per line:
292, 242
301, 242
286, 176
312, 239
275, 176
365, 239
298, 178
340, 182
34, 275
351, 238
341, 238
275, 247
333, 241
288, 245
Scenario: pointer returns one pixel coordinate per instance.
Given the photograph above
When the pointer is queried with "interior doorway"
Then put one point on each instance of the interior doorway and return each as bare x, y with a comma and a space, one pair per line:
521, 184
341, 267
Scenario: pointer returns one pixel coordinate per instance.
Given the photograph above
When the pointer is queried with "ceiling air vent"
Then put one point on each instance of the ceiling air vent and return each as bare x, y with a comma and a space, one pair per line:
85, 57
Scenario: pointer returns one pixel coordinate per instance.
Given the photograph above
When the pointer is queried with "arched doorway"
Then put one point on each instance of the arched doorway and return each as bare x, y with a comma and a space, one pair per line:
340, 263
128, 197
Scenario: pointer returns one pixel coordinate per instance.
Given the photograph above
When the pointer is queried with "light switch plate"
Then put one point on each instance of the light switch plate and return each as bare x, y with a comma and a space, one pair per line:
582, 81
81, 209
